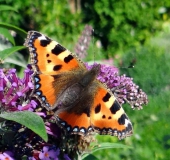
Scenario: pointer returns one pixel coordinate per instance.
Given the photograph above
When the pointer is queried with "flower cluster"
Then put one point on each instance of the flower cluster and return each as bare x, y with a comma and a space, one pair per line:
14, 91
83, 42
16, 140
122, 87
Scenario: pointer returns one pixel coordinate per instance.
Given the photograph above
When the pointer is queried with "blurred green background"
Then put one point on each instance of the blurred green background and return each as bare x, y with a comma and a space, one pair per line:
131, 33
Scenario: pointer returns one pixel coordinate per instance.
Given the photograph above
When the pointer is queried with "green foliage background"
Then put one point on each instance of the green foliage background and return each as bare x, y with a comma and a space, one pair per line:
131, 32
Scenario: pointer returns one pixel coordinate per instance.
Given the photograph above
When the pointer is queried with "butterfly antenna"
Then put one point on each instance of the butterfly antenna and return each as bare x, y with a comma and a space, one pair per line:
130, 66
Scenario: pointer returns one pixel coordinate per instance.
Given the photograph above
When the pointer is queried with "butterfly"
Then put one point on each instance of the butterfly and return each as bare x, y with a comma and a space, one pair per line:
81, 103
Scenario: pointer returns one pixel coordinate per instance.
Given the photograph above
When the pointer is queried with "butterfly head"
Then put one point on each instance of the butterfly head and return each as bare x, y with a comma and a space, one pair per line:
90, 75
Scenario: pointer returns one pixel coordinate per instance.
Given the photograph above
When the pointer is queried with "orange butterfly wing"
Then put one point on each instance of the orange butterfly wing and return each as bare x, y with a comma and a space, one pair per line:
107, 116
75, 124
49, 59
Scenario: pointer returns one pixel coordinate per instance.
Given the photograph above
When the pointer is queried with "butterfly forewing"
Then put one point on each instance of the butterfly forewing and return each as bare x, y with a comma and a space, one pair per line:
48, 56
49, 60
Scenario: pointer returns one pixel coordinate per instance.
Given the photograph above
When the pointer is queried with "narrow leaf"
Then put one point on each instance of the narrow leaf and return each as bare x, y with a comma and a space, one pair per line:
6, 8
29, 120
6, 52
20, 31
7, 35
109, 145
106, 146
91, 157
16, 62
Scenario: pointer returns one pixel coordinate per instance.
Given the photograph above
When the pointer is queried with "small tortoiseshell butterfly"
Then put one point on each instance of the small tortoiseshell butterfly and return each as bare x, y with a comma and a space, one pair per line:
63, 84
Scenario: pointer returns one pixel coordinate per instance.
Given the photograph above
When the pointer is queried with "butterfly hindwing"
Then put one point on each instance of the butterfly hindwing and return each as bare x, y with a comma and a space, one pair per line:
43, 90
75, 124
107, 115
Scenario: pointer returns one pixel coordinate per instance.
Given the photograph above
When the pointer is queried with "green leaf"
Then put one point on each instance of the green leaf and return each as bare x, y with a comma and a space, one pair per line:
6, 34
20, 31
91, 157
16, 62
109, 145
17, 59
106, 146
6, 8
28, 119
6, 52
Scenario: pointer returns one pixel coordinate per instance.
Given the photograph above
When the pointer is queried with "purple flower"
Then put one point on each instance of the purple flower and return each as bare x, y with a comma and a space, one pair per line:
66, 157
7, 155
48, 154
52, 129
122, 87
83, 42
31, 158
14, 91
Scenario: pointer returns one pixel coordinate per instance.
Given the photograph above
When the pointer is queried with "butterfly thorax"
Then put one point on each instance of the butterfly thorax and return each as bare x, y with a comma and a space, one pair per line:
74, 93
89, 76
